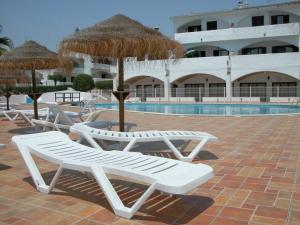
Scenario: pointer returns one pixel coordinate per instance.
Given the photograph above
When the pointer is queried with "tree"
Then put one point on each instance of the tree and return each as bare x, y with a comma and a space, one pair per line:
104, 84
83, 82
56, 77
76, 30
5, 43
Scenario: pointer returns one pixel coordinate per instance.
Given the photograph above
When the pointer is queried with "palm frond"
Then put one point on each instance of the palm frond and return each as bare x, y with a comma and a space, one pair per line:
6, 41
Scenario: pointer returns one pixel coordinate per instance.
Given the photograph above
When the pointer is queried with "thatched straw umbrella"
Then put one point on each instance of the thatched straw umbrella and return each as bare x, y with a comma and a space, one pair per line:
32, 56
121, 37
10, 78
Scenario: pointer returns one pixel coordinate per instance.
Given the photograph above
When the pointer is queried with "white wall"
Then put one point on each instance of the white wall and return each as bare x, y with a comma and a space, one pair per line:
265, 77
286, 63
198, 78
239, 18
145, 81
236, 34
241, 65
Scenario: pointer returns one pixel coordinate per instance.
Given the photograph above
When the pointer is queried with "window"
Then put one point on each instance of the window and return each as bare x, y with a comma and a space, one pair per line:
284, 48
139, 91
253, 90
195, 54
258, 21
280, 19
194, 28
148, 91
217, 90
103, 75
212, 25
202, 53
220, 52
157, 90
174, 90
194, 90
254, 51
284, 89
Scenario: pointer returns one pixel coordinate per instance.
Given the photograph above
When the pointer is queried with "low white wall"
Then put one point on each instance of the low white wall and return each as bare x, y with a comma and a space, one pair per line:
14, 99
284, 99
50, 97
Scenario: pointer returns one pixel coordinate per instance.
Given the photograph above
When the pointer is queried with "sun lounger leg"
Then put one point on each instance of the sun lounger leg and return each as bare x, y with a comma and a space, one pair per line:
10, 118
176, 152
198, 148
54, 179
91, 141
193, 153
113, 197
35, 173
47, 120
56, 120
15, 117
130, 145
26, 118
93, 116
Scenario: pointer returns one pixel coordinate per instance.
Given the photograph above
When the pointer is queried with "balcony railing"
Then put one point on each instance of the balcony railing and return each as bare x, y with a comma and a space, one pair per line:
216, 94
278, 30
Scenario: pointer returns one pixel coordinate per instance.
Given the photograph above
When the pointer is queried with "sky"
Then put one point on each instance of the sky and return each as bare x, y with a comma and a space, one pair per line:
49, 21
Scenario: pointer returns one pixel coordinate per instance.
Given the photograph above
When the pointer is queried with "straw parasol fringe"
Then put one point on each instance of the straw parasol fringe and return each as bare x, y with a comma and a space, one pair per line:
121, 37
122, 48
33, 56
9, 78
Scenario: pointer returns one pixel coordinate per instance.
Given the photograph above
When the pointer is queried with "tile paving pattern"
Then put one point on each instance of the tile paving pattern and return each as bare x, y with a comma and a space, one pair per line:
257, 178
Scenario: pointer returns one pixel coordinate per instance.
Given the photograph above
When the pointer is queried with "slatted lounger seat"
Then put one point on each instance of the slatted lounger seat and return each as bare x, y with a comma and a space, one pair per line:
89, 133
167, 175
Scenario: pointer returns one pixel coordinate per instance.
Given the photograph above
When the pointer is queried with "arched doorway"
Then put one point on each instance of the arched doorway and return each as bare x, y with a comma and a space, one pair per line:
266, 84
205, 51
268, 47
145, 86
198, 86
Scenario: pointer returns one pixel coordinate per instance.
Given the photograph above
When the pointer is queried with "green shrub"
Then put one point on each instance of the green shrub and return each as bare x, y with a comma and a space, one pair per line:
104, 84
83, 82
57, 77
40, 89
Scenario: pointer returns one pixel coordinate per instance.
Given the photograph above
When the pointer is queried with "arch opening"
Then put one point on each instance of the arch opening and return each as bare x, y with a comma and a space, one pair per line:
266, 85
272, 17
268, 47
145, 86
198, 86
205, 51
199, 24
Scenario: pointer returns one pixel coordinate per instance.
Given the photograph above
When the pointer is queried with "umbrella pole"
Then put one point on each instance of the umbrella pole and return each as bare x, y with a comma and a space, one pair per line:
7, 98
35, 108
121, 90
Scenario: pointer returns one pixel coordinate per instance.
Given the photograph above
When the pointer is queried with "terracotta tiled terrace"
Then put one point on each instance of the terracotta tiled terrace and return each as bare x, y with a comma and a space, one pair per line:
257, 178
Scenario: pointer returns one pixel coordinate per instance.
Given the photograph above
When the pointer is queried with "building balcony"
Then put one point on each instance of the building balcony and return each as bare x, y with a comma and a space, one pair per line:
285, 63
279, 30
237, 65
104, 67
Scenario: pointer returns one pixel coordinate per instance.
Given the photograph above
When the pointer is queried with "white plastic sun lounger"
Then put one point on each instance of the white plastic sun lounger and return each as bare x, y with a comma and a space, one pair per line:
89, 133
13, 114
57, 119
167, 175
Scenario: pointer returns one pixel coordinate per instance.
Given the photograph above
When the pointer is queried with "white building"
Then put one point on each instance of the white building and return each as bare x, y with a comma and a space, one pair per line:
247, 51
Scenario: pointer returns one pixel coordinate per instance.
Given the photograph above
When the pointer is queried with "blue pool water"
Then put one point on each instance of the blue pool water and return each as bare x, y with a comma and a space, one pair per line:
208, 109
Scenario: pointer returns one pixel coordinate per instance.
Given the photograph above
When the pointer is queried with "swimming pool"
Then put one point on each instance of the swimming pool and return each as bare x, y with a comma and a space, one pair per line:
208, 109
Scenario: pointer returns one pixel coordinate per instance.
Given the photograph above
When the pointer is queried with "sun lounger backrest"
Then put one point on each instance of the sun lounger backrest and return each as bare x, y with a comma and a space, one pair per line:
57, 112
